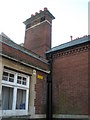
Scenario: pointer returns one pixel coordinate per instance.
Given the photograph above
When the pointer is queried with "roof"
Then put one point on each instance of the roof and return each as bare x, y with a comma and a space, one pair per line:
5, 39
72, 43
13, 51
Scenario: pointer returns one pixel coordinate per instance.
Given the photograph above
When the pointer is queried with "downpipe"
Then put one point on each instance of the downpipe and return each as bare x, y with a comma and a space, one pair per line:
49, 92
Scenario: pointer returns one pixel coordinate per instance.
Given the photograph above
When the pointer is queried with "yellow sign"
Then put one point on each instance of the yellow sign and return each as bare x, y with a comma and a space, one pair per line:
40, 77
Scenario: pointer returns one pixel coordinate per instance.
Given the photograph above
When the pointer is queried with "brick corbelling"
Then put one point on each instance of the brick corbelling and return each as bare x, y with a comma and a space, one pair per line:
12, 52
71, 51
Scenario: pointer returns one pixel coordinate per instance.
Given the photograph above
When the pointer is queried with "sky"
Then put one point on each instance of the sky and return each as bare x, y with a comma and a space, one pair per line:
71, 18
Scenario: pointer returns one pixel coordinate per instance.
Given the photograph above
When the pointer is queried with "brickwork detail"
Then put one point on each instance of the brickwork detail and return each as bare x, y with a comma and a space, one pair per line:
70, 51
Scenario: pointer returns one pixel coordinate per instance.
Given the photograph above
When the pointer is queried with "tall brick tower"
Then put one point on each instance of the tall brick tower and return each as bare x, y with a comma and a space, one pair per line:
38, 32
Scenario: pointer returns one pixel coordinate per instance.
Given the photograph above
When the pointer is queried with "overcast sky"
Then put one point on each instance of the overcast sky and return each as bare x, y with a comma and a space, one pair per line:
71, 18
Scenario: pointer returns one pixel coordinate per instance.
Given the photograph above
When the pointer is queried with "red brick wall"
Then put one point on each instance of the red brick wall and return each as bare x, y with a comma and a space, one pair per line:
19, 55
41, 50
40, 101
70, 83
38, 39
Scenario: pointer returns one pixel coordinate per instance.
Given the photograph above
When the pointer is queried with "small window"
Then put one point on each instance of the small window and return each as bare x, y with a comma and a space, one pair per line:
11, 77
21, 80
5, 76
24, 81
42, 19
8, 76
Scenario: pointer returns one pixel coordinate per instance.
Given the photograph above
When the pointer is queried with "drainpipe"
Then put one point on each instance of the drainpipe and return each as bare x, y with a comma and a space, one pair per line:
49, 92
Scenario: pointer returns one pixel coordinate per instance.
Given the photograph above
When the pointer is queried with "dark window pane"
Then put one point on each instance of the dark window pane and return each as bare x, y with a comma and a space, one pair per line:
12, 75
19, 77
24, 82
11, 80
5, 74
24, 78
5, 78
19, 81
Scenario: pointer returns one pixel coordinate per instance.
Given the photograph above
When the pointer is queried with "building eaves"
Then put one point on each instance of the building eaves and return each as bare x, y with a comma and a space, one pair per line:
72, 43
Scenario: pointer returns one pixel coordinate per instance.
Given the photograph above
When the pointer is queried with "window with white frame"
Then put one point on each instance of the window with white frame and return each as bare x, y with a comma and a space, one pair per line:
8, 76
21, 80
15, 90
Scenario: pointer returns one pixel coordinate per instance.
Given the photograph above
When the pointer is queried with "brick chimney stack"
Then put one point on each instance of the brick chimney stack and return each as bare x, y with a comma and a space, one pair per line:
38, 32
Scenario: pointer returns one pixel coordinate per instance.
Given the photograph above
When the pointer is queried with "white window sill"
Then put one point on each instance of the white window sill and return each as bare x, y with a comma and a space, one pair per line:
14, 112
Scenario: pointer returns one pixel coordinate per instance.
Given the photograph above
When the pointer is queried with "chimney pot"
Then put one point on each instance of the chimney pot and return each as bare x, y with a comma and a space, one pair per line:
36, 13
32, 15
71, 37
40, 10
45, 8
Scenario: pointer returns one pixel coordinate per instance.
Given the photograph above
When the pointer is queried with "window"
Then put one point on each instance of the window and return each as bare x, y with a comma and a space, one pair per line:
7, 98
15, 91
20, 104
8, 76
21, 80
